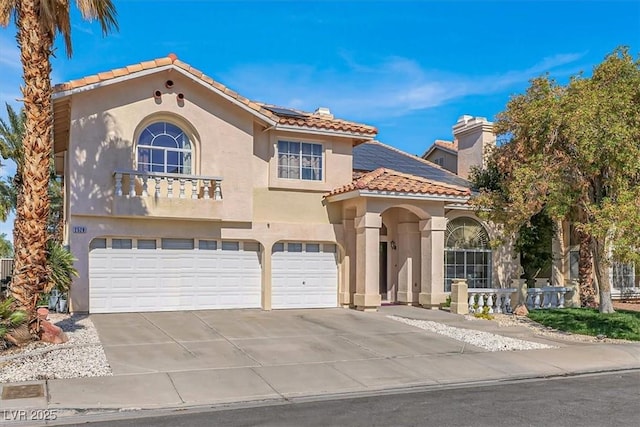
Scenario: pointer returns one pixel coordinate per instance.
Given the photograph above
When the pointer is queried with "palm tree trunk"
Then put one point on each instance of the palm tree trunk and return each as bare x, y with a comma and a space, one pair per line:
30, 270
585, 271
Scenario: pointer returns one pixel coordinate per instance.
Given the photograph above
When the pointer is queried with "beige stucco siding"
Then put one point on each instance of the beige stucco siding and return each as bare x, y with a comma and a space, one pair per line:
106, 122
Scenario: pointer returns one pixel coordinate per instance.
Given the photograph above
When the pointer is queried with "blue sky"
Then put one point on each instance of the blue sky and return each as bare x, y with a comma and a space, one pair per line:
411, 68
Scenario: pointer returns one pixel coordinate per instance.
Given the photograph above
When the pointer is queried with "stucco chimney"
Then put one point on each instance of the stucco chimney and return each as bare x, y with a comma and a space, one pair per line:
475, 140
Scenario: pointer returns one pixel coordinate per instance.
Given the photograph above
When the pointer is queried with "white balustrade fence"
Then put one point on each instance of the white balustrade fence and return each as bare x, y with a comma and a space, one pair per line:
498, 300
547, 297
167, 185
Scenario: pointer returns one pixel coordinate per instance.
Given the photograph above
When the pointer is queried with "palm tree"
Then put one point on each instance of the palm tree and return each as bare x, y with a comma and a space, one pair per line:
11, 135
38, 23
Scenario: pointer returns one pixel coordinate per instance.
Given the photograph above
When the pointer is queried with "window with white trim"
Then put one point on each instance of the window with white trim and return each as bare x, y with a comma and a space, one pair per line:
467, 254
299, 160
164, 147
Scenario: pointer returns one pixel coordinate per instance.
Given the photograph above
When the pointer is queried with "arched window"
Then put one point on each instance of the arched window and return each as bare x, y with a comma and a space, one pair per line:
467, 253
164, 147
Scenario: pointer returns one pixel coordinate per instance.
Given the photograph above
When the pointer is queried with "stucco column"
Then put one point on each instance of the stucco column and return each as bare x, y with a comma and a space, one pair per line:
432, 262
348, 277
266, 276
408, 248
559, 253
367, 297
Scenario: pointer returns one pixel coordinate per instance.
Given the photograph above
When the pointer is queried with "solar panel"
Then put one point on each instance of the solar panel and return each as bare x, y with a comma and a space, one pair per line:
371, 156
286, 112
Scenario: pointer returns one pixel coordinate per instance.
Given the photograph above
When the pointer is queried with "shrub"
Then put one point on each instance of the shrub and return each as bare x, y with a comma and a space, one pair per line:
61, 270
9, 319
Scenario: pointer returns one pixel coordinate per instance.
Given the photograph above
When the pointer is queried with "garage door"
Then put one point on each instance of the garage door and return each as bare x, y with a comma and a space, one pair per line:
132, 275
304, 275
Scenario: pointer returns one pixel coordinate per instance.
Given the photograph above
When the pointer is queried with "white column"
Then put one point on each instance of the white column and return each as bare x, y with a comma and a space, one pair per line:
432, 261
408, 247
367, 297
348, 285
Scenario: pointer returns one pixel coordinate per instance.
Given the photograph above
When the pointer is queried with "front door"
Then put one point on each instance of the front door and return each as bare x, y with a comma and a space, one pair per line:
383, 271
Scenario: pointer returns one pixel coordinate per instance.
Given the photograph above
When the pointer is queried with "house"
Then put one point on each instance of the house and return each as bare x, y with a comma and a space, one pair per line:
462, 154
181, 194
444, 154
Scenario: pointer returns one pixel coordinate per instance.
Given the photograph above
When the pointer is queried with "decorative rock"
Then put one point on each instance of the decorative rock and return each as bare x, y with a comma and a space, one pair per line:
42, 312
521, 310
485, 340
51, 333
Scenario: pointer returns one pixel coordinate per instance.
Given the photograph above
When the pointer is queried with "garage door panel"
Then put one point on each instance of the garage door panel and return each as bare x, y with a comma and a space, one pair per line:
163, 280
304, 279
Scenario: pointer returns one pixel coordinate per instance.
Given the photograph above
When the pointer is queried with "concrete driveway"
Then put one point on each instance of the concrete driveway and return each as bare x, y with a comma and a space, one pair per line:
267, 354
185, 341
183, 359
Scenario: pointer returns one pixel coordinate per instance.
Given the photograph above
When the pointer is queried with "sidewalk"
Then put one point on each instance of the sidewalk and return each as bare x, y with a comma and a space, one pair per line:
323, 361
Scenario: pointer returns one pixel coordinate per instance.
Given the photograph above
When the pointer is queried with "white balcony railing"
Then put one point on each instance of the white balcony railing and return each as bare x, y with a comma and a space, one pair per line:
547, 297
497, 300
167, 185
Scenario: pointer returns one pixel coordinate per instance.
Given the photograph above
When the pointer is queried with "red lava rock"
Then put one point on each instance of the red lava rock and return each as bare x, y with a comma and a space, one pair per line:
42, 312
52, 333
521, 310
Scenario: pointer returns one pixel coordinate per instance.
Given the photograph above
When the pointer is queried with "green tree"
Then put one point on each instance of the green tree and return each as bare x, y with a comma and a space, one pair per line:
38, 23
6, 248
573, 151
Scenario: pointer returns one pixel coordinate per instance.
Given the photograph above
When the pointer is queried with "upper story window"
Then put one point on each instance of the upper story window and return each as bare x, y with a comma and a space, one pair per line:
164, 147
300, 160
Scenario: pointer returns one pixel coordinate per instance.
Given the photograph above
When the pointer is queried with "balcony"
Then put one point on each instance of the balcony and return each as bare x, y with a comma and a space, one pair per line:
167, 195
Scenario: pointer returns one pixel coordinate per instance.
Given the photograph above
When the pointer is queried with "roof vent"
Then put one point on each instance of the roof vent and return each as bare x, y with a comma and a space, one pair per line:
324, 112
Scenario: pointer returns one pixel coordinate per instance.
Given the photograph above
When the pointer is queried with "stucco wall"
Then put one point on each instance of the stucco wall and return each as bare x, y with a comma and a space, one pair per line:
106, 122
450, 161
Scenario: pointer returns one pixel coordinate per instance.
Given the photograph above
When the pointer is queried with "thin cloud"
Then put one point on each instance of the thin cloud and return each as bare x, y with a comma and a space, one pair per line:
9, 53
395, 86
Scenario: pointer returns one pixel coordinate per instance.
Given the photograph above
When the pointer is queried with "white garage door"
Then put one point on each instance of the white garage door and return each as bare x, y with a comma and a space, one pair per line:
176, 276
304, 275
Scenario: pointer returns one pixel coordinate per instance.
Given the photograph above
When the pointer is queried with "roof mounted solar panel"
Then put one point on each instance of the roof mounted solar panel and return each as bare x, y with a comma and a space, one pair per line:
286, 112
372, 155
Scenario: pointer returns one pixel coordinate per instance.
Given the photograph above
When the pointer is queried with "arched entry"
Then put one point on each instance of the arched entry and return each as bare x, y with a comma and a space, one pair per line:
400, 255
467, 253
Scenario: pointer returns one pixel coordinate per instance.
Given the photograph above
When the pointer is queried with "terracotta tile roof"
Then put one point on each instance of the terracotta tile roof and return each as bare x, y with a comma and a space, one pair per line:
320, 121
303, 119
383, 179
449, 145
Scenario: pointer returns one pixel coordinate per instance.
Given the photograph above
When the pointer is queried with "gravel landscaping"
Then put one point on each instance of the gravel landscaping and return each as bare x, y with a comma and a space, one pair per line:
81, 356
485, 340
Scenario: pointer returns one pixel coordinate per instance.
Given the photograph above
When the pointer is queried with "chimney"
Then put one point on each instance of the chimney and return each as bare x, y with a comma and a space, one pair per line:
323, 112
475, 141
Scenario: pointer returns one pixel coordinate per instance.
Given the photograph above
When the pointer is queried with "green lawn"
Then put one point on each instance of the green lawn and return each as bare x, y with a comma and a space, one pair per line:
621, 324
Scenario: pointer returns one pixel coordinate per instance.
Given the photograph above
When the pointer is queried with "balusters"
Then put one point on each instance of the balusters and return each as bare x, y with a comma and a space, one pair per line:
563, 291
169, 187
536, 300
182, 183
140, 184
145, 185
499, 299
490, 302
132, 185
158, 180
217, 191
206, 184
118, 184
472, 303
194, 188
